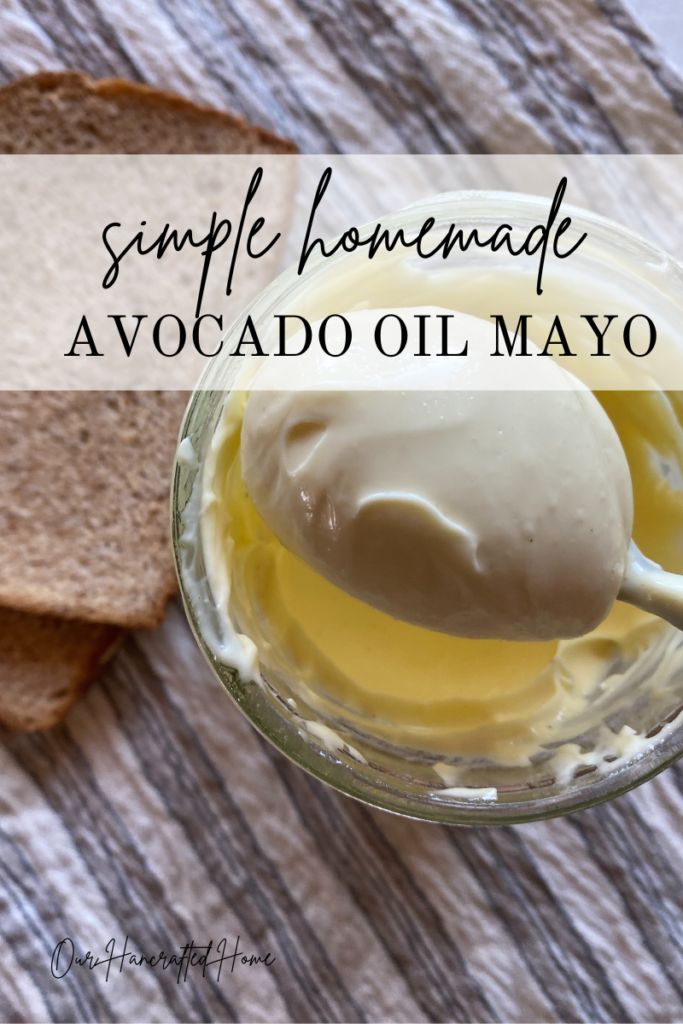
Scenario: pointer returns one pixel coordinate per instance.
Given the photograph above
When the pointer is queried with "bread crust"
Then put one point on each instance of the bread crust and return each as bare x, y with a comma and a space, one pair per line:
145, 95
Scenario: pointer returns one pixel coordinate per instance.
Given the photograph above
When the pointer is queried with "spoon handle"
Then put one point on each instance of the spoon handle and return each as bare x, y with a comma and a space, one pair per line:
650, 588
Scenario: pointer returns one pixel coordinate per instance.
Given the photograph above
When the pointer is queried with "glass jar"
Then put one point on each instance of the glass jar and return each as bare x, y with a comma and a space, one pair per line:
334, 747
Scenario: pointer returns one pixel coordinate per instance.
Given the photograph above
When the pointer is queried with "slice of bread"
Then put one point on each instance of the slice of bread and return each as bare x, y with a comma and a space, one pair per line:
84, 503
84, 478
45, 664
67, 112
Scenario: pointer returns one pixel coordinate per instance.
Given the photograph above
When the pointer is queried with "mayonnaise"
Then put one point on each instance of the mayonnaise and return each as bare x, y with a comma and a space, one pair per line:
304, 610
502, 515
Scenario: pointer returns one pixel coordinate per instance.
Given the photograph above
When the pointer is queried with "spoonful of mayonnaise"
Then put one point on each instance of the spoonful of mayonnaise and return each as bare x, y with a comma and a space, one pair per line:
500, 514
